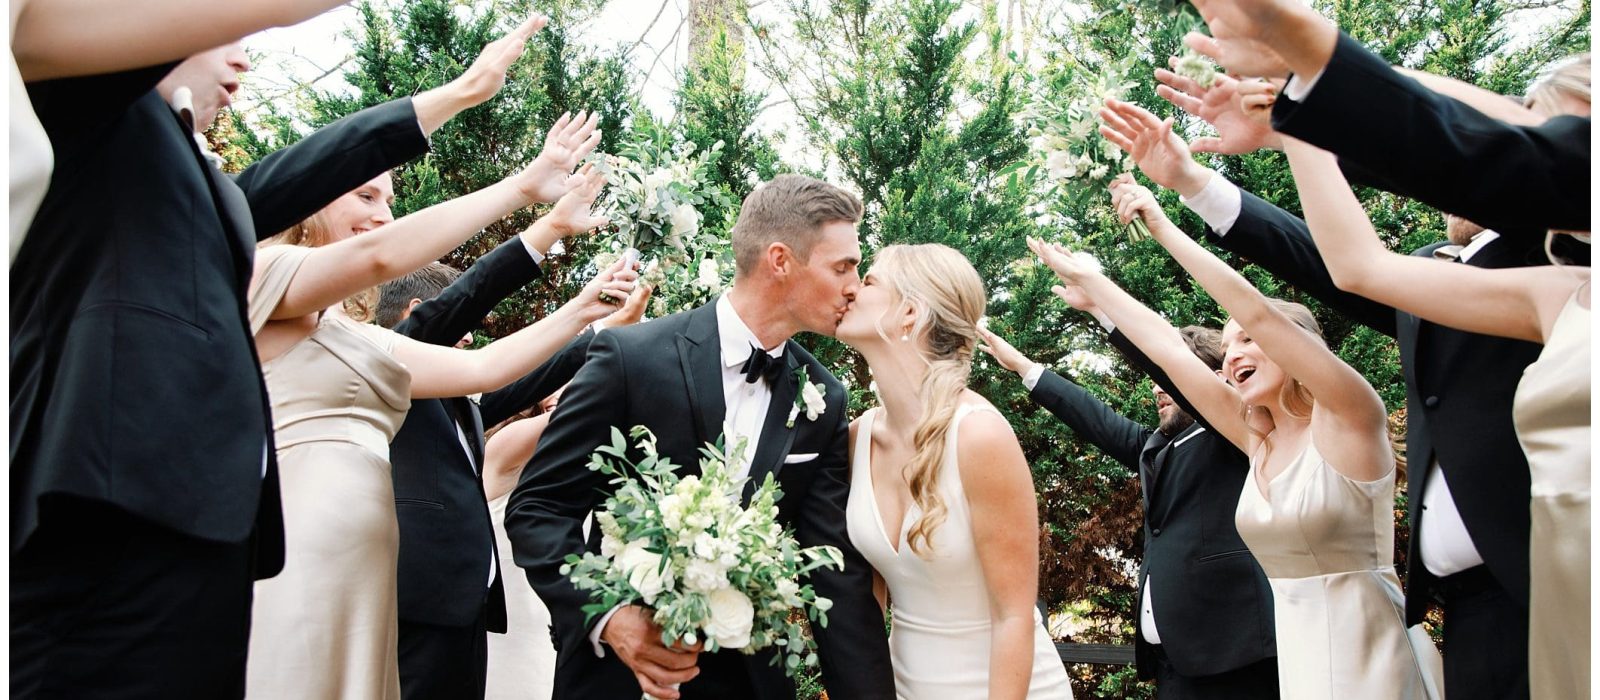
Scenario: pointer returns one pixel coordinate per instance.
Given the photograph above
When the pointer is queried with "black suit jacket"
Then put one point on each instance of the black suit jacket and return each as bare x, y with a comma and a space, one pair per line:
446, 538
1459, 388
135, 380
1212, 602
1391, 132
666, 375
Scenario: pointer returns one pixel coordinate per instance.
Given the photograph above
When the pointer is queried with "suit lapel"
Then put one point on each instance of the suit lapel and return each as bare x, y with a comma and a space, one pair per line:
233, 209
701, 357
776, 435
1148, 463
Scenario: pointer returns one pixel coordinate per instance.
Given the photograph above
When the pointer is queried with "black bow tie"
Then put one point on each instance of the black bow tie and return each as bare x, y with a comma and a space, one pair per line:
761, 366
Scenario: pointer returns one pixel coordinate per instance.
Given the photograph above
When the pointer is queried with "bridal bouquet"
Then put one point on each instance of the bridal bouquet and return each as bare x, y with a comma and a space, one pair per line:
685, 287
1065, 142
712, 570
654, 196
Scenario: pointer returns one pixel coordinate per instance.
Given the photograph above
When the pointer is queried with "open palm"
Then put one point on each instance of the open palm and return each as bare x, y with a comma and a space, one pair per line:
550, 175
574, 212
1218, 106
1159, 153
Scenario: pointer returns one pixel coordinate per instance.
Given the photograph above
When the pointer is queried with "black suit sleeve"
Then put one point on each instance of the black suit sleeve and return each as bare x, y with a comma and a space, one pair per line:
543, 381
1143, 363
1281, 243
1091, 418
295, 182
458, 309
69, 108
852, 648
544, 516
1415, 142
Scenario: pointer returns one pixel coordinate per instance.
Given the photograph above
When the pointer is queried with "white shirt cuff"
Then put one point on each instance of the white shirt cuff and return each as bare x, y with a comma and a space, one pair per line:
538, 257
1218, 204
1298, 89
594, 635
1031, 379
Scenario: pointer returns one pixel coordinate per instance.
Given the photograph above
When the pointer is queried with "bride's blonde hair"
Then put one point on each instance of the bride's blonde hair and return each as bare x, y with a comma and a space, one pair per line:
947, 297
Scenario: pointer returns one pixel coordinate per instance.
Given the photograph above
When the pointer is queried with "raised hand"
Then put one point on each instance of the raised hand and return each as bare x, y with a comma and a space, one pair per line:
487, 74
1256, 98
1218, 106
550, 175
1264, 38
1158, 152
596, 300
1076, 298
1072, 268
1003, 353
574, 212
1237, 55
632, 310
1132, 200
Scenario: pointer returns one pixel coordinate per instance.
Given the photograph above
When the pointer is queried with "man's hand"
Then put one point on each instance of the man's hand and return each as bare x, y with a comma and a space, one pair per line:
1256, 98
1076, 298
481, 81
1003, 353
1158, 152
1072, 268
1218, 106
1264, 38
637, 642
550, 175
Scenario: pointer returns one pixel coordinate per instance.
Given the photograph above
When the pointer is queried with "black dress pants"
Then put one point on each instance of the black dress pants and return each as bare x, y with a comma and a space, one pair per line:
443, 663
1485, 638
1257, 681
107, 605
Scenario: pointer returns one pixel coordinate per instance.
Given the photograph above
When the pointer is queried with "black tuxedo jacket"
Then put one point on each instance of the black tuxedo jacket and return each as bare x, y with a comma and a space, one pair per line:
1459, 388
1213, 605
667, 376
1391, 132
134, 376
446, 538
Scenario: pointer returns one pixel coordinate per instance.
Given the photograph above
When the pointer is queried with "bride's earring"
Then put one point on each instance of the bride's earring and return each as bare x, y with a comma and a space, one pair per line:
905, 337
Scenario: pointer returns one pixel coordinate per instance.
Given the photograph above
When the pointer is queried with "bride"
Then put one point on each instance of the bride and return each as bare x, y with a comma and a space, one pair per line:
940, 468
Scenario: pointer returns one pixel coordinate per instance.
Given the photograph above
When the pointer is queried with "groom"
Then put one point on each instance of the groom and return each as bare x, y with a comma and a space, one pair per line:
726, 370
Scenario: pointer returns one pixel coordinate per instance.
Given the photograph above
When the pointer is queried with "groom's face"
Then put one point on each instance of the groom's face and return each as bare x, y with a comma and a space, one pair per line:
824, 286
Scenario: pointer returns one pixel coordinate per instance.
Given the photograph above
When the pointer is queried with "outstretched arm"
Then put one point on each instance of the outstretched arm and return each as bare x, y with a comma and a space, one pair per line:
1159, 340
332, 272
1518, 303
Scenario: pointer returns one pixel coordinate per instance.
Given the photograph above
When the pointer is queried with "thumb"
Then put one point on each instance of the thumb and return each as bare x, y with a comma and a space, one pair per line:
1206, 144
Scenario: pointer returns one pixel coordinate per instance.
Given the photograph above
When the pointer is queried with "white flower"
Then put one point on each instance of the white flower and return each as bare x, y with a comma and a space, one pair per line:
1098, 172
685, 220
1060, 165
644, 569
709, 276
654, 182
671, 507
789, 591
732, 616
702, 575
609, 546
812, 395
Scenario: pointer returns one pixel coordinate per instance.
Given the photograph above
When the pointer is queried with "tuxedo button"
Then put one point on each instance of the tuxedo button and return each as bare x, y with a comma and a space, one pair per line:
1431, 402
1155, 532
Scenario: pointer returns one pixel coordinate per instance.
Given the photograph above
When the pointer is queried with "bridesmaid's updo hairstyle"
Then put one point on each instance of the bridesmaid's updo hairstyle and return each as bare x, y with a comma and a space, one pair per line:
948, 299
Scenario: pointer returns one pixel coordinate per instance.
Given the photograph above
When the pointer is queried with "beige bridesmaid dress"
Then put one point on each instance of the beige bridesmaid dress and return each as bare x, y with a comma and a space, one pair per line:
1551, 412
1326, 543
327, 626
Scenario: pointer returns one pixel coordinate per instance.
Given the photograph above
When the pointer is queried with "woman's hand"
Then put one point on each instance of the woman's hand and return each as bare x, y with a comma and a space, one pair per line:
1003, 353
550, 175
1072, 268
1132, 200
598, 298
1256, 98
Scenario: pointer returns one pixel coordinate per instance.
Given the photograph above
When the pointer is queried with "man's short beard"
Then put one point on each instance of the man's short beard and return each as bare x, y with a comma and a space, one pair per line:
1175, 423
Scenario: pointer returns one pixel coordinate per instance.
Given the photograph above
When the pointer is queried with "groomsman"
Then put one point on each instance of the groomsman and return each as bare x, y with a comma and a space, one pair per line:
1205, 608
726, 370
451, 591
144, 491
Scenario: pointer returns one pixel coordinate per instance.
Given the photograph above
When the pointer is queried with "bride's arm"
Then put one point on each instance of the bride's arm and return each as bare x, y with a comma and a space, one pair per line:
1005, 530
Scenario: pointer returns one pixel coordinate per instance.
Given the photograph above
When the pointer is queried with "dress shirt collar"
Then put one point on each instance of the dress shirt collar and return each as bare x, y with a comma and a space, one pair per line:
736, 337
1479, 242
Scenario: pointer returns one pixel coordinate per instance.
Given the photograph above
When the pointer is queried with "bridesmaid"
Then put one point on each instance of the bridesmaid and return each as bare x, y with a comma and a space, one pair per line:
1317, 511
327, 627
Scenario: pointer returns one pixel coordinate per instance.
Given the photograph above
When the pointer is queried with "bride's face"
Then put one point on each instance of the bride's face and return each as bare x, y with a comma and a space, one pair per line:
873, 306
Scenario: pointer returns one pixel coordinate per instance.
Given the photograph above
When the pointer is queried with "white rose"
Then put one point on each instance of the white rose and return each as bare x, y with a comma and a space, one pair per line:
685, 220
702, 575
671, 507
732, 616
610, 546
1060, 165
789, 591
644, 569
655, 181
709, 276
811, 394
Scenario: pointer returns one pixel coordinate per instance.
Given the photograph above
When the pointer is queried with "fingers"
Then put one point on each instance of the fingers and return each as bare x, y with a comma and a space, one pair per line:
558, 128
1062, 292
588, 144
1186, 86
1117, 139
1115, 120
1136, 115
1205, 45
1206, 144
1185, 102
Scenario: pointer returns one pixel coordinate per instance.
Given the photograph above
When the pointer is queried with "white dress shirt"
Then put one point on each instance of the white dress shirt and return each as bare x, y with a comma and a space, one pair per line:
746, 405
1445, 545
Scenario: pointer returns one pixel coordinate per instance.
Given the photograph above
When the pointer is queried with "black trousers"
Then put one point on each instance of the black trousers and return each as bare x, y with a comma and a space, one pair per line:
1485, 638
1258, 680
106, 605
446, 663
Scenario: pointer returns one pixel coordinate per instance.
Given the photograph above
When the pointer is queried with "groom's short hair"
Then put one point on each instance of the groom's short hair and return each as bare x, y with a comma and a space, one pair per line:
790, 209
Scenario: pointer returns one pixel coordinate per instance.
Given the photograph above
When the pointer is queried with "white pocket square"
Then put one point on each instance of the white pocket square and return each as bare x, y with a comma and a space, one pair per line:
801, 457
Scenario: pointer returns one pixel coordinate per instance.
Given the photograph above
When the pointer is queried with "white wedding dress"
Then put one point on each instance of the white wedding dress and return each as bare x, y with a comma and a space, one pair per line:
939, 642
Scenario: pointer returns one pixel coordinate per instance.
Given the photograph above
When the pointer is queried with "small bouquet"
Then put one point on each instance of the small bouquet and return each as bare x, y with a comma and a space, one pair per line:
1066, 145
654, 196
712, 570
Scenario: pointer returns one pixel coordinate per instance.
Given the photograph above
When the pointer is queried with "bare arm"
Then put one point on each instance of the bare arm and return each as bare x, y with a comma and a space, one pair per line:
1005, 527
64, 38
438, 371
507, 452
481, 81
1516, 303
1159, 340
334, 272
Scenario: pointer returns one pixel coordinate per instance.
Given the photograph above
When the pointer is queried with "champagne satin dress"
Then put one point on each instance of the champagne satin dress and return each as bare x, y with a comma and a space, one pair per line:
1326, 543
1551, 412
328, 627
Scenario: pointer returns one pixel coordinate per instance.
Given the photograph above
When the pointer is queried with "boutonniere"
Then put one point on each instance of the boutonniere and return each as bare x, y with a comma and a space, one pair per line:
812, 397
